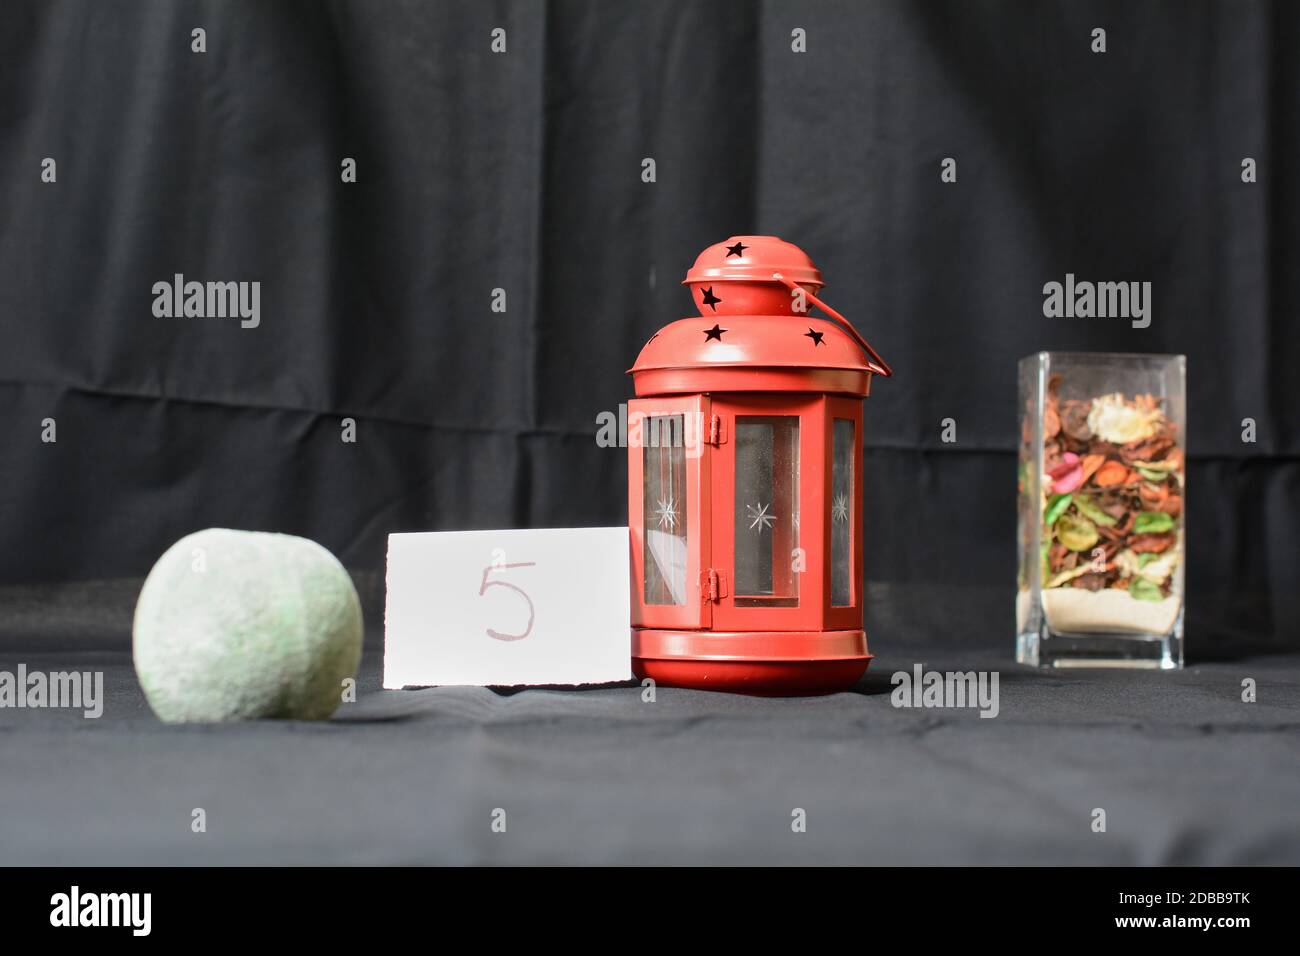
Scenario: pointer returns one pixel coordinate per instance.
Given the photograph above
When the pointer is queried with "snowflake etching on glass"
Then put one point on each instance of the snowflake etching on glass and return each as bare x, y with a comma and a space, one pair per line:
759, 517
666, 513
840, 509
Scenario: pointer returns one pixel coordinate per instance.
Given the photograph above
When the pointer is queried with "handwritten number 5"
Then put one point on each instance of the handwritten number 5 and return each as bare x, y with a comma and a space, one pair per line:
497, 635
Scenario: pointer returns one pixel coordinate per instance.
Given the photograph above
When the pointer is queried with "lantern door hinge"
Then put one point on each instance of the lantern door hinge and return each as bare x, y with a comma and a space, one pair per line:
716, 434
713, 584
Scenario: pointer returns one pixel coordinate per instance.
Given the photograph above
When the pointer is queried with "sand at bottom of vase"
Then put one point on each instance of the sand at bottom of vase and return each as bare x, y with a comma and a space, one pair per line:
1111, 611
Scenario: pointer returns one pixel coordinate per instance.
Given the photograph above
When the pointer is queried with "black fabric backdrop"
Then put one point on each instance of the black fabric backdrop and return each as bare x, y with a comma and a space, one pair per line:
521, 171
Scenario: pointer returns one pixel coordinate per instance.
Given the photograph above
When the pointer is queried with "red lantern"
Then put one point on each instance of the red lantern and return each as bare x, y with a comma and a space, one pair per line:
745, 482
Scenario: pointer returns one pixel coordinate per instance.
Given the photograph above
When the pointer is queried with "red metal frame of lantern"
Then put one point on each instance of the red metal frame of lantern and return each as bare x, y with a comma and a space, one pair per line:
755, 395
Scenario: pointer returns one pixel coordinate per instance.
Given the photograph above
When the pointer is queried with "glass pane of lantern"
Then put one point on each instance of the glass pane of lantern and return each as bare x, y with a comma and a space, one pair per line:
664, 466
842, 505
767, 510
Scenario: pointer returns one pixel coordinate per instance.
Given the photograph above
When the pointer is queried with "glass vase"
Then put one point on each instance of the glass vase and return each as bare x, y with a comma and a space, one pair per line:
1101, 523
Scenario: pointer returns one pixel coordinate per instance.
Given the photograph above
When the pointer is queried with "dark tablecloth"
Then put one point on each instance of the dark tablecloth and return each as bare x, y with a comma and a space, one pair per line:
1186, 772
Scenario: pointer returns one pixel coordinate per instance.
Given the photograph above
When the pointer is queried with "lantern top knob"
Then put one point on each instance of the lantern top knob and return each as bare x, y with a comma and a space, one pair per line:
753, 259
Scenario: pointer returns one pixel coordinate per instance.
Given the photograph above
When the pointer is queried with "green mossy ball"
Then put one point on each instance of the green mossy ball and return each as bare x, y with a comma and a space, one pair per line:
237, 625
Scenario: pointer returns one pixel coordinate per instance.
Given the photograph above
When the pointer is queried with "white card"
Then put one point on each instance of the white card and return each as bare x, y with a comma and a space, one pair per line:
535, 606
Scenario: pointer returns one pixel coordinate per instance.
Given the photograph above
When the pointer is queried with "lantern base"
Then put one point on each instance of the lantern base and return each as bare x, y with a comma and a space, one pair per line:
763, 663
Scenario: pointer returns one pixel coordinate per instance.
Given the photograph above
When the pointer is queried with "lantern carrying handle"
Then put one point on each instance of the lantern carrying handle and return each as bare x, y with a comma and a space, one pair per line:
877, 364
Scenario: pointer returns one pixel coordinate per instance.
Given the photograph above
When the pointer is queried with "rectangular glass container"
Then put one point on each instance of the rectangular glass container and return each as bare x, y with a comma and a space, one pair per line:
1101, 519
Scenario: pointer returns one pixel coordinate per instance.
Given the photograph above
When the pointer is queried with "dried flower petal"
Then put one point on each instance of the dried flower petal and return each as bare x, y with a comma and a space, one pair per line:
1111, 473
1114, 420
1154, 543
1144, 590
1074, 420
1051, 423
1076, 532
1090, 465
1055, 508
1089, 509
1153, 522
1153, 496
1067, 463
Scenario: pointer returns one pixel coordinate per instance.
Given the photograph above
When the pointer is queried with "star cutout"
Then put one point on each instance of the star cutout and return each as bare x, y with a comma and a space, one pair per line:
714, 333
815, 336
710, 299
737, 250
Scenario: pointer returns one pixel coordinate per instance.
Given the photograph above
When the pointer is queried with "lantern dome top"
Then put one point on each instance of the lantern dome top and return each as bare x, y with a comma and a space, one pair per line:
751, 353
754, 259
754, 332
